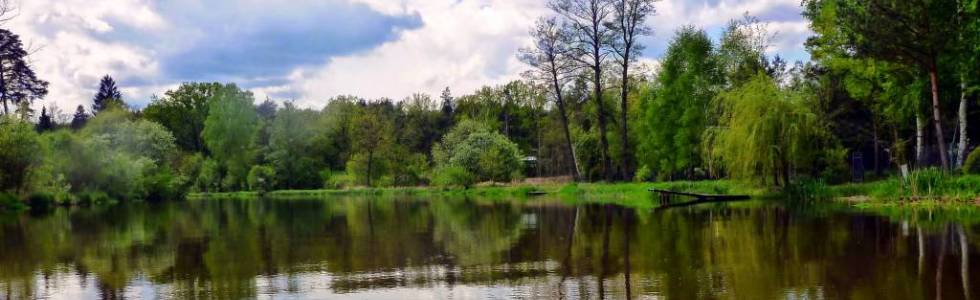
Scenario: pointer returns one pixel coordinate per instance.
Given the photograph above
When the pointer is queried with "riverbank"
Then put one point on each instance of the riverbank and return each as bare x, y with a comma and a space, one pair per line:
922, 189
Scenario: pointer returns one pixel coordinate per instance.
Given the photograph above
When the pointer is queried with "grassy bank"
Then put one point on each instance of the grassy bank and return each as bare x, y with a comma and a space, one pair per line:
924, 188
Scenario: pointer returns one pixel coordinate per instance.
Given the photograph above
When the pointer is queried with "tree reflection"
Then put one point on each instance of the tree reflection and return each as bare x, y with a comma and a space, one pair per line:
244, 248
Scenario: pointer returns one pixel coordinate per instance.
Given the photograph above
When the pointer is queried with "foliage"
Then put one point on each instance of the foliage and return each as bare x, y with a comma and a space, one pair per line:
229, 133
20, 83
107, 97
18, 153
261, 178
677, 105
184, 110
972, 163
290, 149
765, 131
486, 154
453, 176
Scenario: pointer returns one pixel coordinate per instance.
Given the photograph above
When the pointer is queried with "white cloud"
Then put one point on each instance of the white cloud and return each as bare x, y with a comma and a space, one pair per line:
463, 44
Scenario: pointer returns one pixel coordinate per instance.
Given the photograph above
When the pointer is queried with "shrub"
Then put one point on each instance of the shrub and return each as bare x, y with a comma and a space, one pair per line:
925, 182
972, 163
261, 178
453, 176
338, 180
643, 174
485, 154
18, 152
9, 202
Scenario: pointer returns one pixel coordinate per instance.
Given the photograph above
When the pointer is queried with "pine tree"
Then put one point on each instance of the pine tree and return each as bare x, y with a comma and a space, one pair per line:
108, 96
44, 122
17, 81
80, 118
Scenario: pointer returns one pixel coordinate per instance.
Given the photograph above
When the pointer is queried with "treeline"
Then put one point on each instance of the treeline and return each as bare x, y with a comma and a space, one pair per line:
881, 71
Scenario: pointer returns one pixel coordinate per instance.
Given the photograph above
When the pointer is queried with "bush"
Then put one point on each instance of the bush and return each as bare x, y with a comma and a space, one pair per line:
9, 202
972, 163
338, 180
261, 178
453, 176
485, 154
18, 152
643, 174
93, 198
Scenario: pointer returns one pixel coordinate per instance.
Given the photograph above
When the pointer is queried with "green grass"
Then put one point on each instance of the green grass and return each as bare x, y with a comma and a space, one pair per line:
924, 188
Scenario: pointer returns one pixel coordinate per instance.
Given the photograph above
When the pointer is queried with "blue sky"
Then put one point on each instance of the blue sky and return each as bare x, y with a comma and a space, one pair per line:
310, 50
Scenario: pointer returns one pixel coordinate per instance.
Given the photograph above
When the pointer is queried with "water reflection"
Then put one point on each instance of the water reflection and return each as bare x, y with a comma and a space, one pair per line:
464, 248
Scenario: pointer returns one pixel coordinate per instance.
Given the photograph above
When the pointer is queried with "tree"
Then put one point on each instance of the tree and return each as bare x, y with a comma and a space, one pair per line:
184, 110
18, 152
629, 24
765, 131
372, 135
482, 152
229, 133
550, 58
17, 80
587, 20
108, 96
678, 102
290, 151
44, 122
915, 33
79, 119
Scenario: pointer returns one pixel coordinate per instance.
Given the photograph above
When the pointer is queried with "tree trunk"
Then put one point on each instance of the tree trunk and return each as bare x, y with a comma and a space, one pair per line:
603, 140
576, 174
937, 117
625, 156
920, 141
877, 148
964, 137
370, 160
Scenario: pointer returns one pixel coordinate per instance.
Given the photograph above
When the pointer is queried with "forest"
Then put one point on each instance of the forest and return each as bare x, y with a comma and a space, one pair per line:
891, 87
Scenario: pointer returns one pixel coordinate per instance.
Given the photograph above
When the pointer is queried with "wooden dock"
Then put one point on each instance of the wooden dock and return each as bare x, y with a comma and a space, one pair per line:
666, 196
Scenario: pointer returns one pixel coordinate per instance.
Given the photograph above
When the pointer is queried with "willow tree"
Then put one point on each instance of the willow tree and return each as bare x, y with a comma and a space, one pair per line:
765, 130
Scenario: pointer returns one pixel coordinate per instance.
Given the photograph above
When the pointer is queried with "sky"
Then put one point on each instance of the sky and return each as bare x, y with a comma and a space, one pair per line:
308, 51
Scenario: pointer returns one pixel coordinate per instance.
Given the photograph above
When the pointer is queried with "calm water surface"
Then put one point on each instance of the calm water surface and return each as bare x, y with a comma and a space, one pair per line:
364, 248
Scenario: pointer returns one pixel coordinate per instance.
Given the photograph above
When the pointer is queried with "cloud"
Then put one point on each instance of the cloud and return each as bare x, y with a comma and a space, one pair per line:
311, 50
463, 45
147, 44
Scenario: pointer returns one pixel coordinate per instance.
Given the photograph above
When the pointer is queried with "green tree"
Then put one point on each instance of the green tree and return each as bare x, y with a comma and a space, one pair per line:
486, 154
108, 96
372, 134
914, 33
629, 23
18, 152
18, 82
765, 130
229, 133
184, 110
261, 178
290, 150
677, 104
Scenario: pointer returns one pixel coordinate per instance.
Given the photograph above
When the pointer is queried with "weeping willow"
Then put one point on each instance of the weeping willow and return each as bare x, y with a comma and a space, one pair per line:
765, 133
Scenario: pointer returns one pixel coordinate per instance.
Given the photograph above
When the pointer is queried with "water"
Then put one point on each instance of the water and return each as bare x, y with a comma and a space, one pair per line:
362, 248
